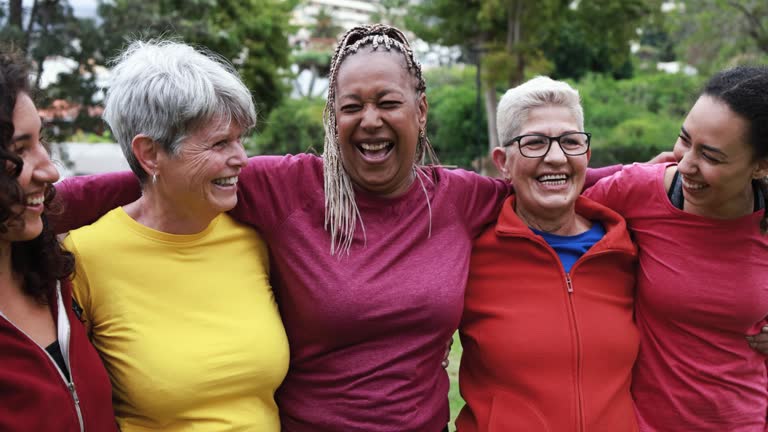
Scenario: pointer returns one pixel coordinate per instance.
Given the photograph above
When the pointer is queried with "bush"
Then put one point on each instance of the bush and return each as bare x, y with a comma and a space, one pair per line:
294, 126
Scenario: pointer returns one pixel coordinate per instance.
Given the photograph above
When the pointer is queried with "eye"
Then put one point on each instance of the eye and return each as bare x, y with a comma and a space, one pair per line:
390, 104
350, 108
20, 148
710, 158
220, 144
684, 140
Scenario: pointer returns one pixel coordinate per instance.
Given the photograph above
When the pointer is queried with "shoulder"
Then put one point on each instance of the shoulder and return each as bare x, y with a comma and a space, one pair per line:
459, 180
669, 175
104, 225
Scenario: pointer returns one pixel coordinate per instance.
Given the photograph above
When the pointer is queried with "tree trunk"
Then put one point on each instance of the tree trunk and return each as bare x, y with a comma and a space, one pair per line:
14, 14
490, 109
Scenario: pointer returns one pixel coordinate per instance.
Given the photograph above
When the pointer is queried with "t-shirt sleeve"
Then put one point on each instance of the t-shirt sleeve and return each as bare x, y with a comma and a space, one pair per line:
84, 199
271, 187
628, 191
479, 198
595, 174
81, 290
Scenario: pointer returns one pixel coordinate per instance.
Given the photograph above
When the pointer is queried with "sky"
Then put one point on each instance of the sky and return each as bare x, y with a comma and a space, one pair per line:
82, 8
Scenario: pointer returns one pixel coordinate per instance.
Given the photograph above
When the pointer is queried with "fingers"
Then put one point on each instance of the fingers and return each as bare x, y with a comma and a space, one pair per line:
759, 342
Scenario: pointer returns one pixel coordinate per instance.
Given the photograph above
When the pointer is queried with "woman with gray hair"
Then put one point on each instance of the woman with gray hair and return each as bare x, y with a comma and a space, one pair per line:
370, 247
181, 309
548, 333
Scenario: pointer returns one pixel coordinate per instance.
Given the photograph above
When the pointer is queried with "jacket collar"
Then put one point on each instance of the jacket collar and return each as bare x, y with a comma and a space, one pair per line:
616, 236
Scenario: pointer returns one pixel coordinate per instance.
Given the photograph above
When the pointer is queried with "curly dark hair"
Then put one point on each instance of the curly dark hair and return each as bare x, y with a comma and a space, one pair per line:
40, 261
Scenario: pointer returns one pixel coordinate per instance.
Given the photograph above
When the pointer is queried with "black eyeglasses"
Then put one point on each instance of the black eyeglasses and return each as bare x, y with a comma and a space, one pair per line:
536, 146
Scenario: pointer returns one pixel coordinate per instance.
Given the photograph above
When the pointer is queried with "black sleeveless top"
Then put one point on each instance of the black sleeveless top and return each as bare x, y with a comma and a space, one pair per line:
675, 193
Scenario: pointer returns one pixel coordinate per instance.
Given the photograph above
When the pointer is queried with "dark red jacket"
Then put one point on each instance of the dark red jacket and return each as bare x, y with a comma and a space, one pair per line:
34, 396
546, 350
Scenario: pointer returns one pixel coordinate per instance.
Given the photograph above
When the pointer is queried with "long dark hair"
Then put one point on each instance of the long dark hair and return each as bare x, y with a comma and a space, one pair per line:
40, 261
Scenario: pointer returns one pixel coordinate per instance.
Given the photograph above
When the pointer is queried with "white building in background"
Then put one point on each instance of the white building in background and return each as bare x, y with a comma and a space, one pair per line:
72, 159
346, 13
350, 13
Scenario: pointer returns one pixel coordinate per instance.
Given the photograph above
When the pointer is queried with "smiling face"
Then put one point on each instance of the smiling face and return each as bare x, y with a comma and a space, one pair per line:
379, 115
200, 182
550, 184
37, 174
716, 162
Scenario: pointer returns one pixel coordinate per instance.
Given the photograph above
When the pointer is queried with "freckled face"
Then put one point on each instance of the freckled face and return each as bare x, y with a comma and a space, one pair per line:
37, 174
202, 179
715, 160
378, 116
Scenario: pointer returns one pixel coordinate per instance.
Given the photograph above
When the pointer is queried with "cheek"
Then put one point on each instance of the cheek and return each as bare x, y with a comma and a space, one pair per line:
678, 150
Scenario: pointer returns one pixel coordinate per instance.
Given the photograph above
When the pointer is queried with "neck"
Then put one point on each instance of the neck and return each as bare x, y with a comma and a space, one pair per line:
741, 205
565, 222
157, 213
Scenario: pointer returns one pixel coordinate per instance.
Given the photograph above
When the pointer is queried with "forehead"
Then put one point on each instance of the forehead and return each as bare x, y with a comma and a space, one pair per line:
367, 67
550, 119
25, 116
713, 123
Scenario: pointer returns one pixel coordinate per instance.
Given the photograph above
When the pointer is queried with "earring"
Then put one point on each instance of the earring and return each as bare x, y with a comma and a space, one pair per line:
154, 178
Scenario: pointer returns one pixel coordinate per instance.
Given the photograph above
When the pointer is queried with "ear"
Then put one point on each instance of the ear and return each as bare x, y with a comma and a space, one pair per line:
589, 154
145, 149
423, 107
499, 156
762, 169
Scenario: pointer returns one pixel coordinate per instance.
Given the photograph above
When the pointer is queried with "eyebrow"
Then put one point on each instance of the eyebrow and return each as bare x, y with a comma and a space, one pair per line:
18, 138
706, 147
378, 95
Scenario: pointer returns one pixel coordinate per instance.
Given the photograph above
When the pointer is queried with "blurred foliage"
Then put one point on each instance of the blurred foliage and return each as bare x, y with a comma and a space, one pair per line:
716, 34
456, 124
252, 34
633, 120
295, 126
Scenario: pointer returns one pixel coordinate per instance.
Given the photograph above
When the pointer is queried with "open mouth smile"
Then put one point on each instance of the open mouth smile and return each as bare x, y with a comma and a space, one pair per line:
375, 151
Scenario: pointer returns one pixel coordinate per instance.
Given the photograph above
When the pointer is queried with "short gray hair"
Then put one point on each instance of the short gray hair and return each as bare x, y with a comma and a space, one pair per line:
166, 90
516, 104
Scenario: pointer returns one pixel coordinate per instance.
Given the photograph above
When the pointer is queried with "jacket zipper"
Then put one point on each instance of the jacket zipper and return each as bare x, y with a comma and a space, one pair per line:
579, 389
69, 384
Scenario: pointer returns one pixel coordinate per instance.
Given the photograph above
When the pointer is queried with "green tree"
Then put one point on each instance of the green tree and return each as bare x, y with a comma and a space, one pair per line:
713, 34
510, 38
456, 122
252, 34
294, 126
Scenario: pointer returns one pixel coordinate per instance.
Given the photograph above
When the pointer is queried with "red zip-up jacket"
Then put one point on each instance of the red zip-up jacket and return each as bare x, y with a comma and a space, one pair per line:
546, 350
35, 396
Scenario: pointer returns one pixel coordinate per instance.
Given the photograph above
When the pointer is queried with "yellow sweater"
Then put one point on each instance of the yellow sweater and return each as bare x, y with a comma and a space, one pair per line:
187, 325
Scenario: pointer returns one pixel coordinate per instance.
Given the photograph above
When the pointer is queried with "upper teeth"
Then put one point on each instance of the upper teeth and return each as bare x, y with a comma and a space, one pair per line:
374, 146
690, 185
546, 177
226, 180
35, 200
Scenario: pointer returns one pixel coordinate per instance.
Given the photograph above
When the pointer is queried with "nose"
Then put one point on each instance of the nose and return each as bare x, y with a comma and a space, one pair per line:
555, 153
239, 157
371, 118
43, 170
686, 164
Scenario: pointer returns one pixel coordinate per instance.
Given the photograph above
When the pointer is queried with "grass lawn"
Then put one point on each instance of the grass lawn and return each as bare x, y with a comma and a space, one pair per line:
453, 374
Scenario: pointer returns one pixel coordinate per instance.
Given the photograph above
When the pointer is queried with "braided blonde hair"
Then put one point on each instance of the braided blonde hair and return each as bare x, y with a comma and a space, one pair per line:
341, 212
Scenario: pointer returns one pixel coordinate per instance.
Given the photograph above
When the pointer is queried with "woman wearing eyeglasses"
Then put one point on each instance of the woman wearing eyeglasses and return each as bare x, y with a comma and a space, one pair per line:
548, 335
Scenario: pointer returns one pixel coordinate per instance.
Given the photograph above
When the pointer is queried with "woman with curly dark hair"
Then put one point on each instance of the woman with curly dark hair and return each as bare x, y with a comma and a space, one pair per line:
51, 377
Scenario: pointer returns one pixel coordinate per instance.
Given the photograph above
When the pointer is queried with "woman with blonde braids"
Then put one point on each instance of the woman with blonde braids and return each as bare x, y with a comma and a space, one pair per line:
370, 248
